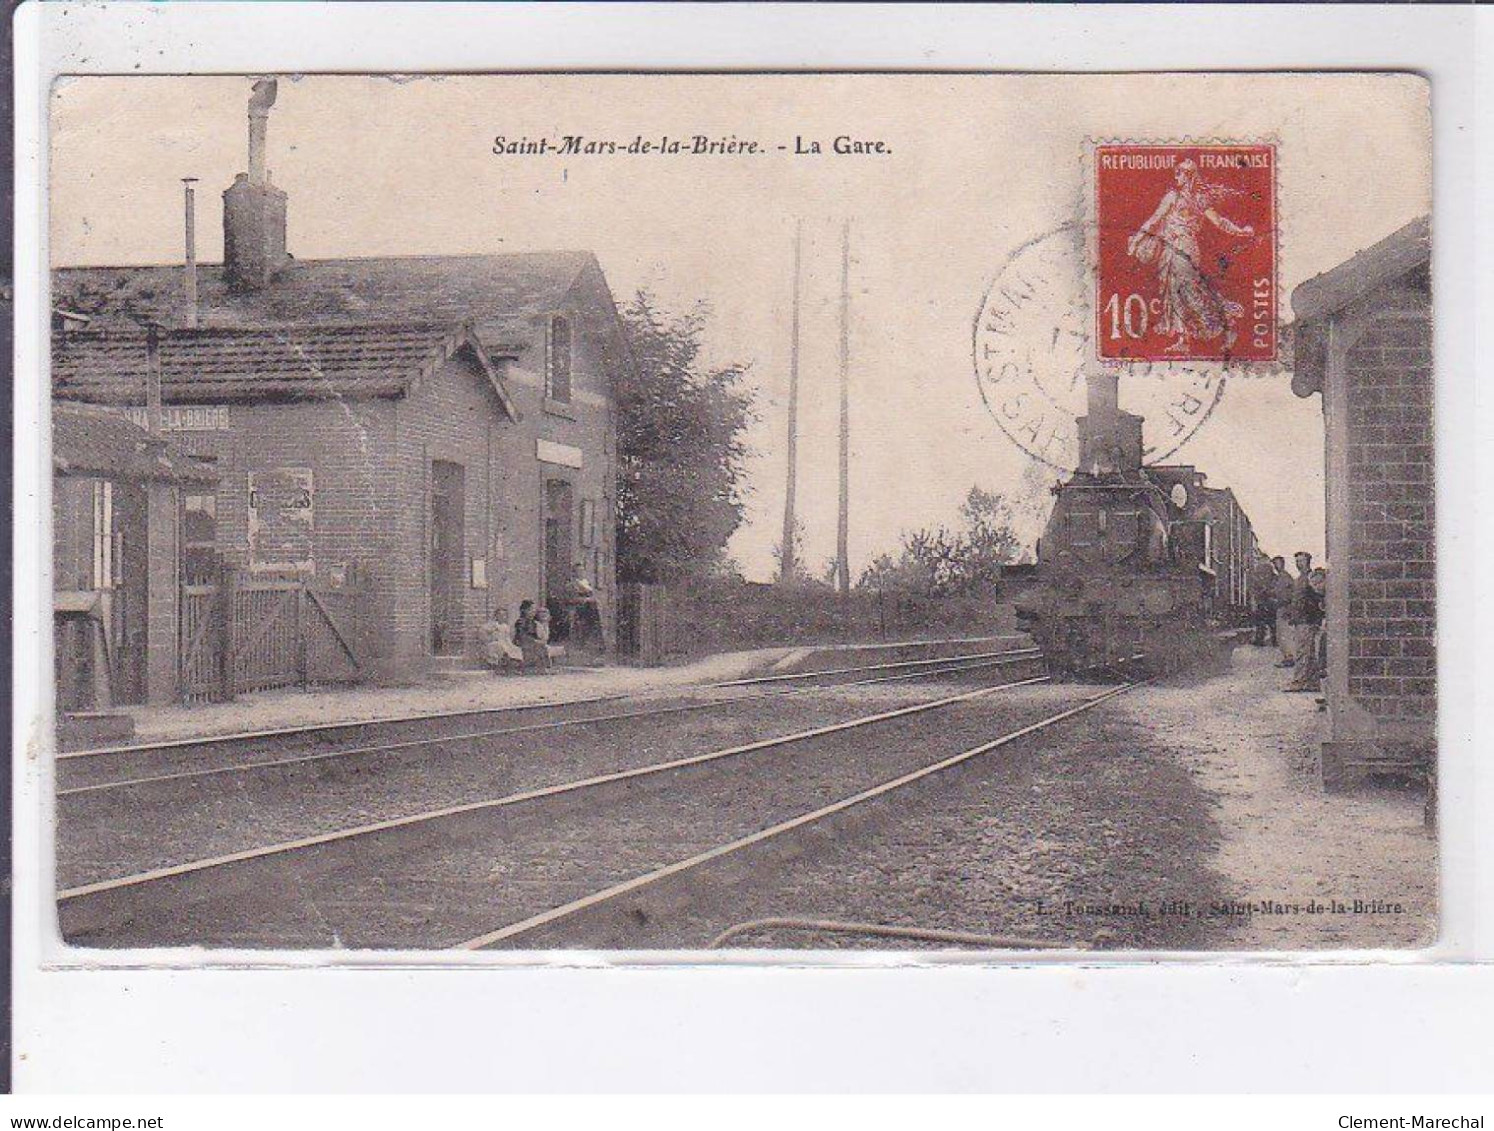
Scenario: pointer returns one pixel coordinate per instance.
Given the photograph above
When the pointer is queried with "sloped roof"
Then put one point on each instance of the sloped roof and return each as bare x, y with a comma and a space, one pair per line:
93, 441
1397, 255
1404, 254
279, 363
504, 296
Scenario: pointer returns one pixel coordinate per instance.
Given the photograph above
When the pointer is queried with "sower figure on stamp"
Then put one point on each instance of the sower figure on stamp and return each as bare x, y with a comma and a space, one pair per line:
1191, 306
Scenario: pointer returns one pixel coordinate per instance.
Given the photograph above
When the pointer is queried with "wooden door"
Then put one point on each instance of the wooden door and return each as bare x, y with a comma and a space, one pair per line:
448, 557
560, 549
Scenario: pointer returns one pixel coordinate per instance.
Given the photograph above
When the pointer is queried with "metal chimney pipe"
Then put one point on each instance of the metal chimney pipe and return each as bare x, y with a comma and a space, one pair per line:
153, 380
190, 313
259, 115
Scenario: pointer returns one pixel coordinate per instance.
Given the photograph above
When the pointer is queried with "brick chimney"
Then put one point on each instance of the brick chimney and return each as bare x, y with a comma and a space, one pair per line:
254, 209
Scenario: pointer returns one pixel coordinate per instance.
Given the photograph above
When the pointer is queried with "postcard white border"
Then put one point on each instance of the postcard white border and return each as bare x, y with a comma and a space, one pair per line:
579, 1023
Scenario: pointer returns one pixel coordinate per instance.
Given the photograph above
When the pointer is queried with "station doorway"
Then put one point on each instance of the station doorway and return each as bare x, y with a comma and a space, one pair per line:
560, 527
448, 557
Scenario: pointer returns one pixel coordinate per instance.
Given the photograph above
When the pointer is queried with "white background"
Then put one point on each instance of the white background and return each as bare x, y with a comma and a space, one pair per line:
1339, 1024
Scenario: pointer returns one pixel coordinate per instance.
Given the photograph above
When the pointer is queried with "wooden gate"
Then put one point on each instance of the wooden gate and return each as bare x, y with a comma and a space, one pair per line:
643, 622
250, 635
201, 652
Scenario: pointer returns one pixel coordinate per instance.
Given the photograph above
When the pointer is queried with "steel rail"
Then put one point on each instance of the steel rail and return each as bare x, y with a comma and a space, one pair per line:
1026, 652
538, 793
467, 712
575, 906
556, 724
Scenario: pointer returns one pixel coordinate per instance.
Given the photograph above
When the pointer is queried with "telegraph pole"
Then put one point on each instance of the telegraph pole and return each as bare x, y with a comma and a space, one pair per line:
843, 527
786, 562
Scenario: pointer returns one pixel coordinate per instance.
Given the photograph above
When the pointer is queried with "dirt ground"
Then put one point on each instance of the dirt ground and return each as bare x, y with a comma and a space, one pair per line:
1294, 860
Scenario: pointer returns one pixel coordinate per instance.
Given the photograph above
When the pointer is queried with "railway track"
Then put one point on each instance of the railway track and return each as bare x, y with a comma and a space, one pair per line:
370, 885
556, 790
99, 771
602, 897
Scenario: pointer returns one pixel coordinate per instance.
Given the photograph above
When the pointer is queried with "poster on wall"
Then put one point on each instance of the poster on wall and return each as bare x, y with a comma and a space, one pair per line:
282, 520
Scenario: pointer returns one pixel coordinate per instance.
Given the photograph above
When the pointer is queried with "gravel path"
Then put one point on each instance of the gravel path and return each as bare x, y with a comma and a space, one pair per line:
440, 883
460, 692
1287, 846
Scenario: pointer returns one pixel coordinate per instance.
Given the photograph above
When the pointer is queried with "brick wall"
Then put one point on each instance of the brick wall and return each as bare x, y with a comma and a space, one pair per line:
346, 445
1391, 558
456, 418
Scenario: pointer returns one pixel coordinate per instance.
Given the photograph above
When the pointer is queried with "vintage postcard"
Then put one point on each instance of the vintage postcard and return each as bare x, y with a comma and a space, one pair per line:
743, 512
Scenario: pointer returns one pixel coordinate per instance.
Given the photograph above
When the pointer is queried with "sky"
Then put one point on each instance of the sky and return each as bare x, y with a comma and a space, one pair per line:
973, 168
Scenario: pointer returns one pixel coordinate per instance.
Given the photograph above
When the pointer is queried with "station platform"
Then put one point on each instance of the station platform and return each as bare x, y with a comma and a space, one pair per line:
481, 689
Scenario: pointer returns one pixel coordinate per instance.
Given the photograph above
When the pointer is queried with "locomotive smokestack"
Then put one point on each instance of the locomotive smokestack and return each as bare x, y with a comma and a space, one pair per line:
1109, 439
1103, 395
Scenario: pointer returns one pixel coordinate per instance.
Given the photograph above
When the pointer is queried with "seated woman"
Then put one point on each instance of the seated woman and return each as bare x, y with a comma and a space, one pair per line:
531, 632
498, 647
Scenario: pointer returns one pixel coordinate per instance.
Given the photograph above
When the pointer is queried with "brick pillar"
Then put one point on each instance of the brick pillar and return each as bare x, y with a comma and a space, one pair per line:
1382, 632
162, 593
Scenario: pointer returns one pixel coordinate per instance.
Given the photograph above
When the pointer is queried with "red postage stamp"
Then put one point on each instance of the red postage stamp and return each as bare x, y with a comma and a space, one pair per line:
1186, 259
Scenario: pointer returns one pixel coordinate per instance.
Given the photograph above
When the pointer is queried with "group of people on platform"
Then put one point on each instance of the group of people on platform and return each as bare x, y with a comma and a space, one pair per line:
1289, 613
568, 621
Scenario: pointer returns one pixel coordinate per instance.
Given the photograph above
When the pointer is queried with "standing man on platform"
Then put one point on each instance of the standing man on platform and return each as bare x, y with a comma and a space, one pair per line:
1305, 614
1282, 588
1263, 590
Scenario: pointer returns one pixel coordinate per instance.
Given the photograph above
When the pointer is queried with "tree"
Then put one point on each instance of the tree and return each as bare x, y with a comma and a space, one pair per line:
989, 541
940, 562
679, 448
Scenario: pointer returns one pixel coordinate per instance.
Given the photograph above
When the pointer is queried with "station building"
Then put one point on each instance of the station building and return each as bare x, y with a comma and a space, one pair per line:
1363, 341
434, 433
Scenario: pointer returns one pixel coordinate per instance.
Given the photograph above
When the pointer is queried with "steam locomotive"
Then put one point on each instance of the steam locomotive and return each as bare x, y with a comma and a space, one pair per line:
1140, 570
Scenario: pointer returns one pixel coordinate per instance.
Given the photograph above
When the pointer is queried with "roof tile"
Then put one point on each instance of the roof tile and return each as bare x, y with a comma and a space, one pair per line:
209, 366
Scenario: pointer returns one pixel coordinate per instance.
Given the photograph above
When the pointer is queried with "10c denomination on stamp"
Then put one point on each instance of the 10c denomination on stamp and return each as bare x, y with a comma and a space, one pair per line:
1185, 258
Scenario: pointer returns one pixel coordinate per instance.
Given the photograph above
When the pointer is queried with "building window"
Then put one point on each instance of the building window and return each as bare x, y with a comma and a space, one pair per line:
558, 360
200, 563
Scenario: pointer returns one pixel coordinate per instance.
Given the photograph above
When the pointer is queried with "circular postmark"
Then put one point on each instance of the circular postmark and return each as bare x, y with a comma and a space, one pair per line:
1033, 349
